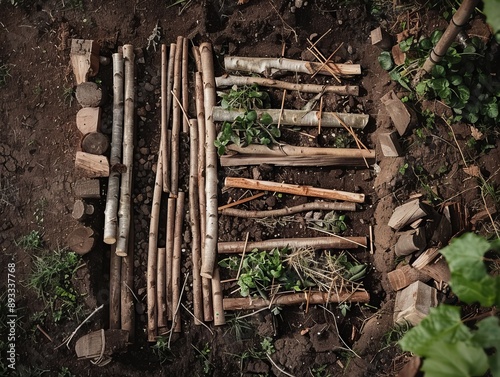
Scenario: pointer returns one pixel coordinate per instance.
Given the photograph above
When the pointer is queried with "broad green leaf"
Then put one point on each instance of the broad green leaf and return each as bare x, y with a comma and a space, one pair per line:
439, 84
442, 324
487, 334
406, 44
492, 110
445, 94
469, 279
385, 60
266, 119
251, 116
421, 88
425, 44
455, 360
463, 93
435, 36
275, 131
455, 80
224, 104
492, 11
403, 81
438, 71
471, 117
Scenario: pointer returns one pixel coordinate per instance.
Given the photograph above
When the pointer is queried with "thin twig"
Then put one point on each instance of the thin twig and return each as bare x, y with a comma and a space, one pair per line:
44, 333
338, 333
282, 107
241, 201
174, 316
277, 367
199, 320
242, 257
68, 339
336, 235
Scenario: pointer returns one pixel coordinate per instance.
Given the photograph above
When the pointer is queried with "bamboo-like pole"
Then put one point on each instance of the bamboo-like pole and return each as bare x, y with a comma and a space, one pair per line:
312, 298
176, 260
317, 243
230, 80
176, 119
291, 150
127, 285
270, 66
313, 206
125, 213
194, 216
254, 184
197, 58
218, 299
111, 210
318, 160
167, 78
170, 227
161, 297
115, 266
185, 87
303, 118
211, 236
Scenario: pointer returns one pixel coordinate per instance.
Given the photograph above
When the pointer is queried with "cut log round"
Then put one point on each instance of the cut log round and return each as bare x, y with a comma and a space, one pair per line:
81, 240
89, 94
88, 119
95, 143
81, 210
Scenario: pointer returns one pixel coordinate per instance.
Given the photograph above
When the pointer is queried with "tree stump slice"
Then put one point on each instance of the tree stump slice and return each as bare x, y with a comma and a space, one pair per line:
89, 94
95, 143
87, 189
81, 240
82, 210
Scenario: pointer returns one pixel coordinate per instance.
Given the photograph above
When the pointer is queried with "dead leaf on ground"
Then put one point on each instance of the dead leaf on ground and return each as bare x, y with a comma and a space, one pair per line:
476, 134
473, 171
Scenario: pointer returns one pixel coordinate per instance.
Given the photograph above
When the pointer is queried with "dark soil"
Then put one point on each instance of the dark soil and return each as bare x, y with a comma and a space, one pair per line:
39, 140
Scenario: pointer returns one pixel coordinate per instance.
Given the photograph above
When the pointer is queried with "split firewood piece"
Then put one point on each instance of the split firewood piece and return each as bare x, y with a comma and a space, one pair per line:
381, 38
403, 118
87, 189
84, 59
253, 184
406, 214
88, 119
427, 257
92, 165
81, 240
115, 281
303, 118
89, 94
313, 206
101, 343
324, 160
230, 80
81, 210
389, 144
95, 143
409, 242
313, 298
438, 270
402, 277
413, 303
270, 66
317, 243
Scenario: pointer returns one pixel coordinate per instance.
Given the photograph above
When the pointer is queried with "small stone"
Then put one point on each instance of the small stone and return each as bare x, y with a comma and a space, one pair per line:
144, 150
141, 111
271, 201
148, 87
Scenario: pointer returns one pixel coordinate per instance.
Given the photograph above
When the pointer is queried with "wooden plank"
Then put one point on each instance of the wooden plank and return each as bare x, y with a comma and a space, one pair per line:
92, 165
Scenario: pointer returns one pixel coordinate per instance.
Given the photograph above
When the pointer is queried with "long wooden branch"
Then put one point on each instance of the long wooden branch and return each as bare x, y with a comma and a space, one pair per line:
185, 83
176, 119
312, 298
246, 160
127, 307
269, 66
170, 227
254, 184
230, 80
218, 299
313, 206
176, 261
317, 243
303, 118
161, 296
167, 82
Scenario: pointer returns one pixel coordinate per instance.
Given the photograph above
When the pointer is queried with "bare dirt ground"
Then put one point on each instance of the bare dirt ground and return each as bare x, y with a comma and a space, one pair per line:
39, 139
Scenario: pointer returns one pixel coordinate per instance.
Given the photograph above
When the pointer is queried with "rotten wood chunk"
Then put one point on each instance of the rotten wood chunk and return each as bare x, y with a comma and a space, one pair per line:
406, 214
95, 143
81, 210
439, 271
101, 343
89, 94
84, 59
413, 303
404, 276
88, 119
409, 242
87, 189
92, 165
81, 240
381, 38
389, 143
403, 118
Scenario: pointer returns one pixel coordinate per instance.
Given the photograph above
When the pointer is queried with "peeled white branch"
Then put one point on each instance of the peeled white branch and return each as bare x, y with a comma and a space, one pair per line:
176, 119
176, 261
230, 80
269, 66
303, 118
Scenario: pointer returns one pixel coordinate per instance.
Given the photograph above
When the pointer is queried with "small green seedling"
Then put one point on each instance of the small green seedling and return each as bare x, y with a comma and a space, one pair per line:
247, 97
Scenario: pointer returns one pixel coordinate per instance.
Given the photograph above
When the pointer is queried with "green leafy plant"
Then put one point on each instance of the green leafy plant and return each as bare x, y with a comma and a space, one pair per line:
65, 372
68, 95
247, 129
246, 97
204, 357
31, 241
162, 351
448, 346
320, 371
403, 168
4, 73
238, 326
51, 279
333, 222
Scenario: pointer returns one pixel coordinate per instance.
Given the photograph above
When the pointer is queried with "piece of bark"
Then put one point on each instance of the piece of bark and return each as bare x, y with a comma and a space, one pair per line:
413, 303
88, 119
92, 165
81, 210
89, 94
428, 256
313, 298
404, 276
95, 143
443, 232
406, 214
410, 242
389, 143
87, 189
381, 38
403, 118
84, 59
81, 240
439, 271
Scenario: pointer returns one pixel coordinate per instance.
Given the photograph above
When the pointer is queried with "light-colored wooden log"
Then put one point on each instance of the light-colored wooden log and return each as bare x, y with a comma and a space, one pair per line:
88, 119
218, 299
84, 58
313, 298
303, 118
169, 231
95, 143
325, 160
176, 261
92, 165
253, 184
406, 214
381, 39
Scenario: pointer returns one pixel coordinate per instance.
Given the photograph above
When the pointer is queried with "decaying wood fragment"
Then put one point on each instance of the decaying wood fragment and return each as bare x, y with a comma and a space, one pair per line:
84, 59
